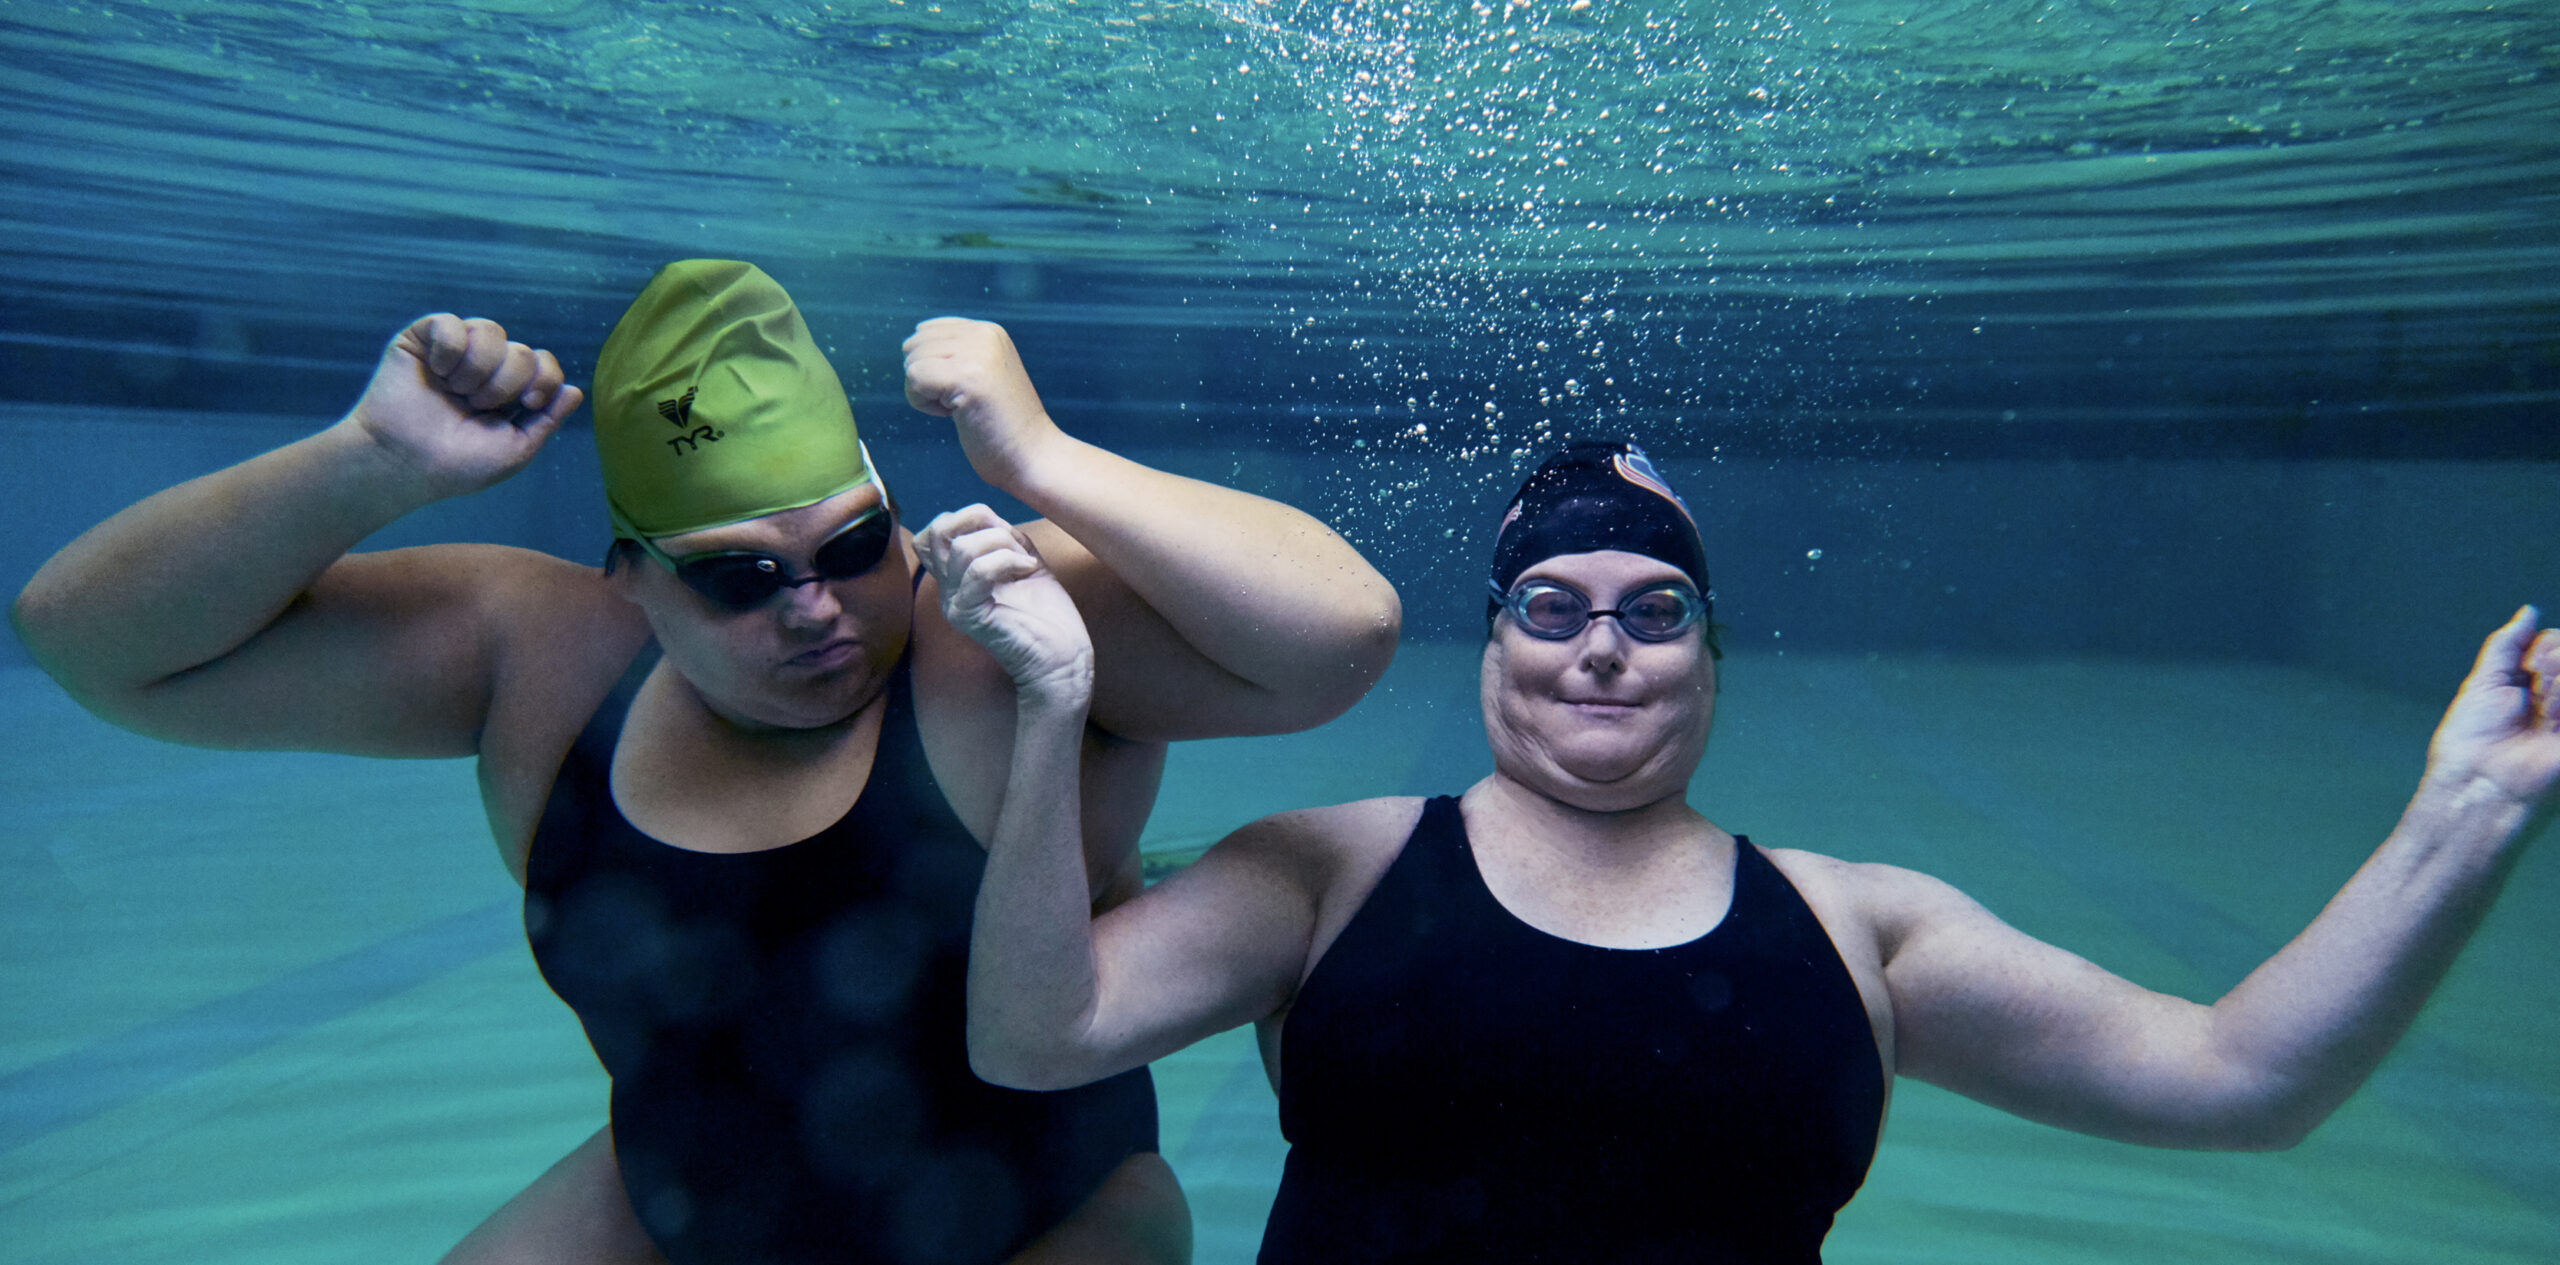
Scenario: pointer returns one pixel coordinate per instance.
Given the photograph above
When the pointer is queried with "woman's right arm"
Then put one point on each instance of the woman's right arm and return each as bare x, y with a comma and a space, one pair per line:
224, 612
1057, 997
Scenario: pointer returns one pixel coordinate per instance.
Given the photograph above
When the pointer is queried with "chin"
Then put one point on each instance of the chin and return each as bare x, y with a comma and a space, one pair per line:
805, 704
1595, 786
1611, 797
1605, 770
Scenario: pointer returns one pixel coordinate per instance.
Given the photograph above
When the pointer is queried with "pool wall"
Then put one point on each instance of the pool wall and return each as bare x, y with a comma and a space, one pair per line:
2385, 571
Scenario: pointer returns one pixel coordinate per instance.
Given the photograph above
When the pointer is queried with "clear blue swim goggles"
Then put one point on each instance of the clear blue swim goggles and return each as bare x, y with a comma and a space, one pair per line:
1551, 611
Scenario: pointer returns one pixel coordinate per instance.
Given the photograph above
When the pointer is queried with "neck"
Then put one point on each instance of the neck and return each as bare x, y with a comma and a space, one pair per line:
731, 726
1613, 837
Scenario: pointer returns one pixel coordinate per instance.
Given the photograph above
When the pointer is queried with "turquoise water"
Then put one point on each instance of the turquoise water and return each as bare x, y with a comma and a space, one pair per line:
2113, 425
275, 1008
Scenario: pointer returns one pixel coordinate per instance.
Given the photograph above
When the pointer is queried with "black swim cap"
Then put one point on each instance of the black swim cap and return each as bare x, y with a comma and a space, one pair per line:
1595, 496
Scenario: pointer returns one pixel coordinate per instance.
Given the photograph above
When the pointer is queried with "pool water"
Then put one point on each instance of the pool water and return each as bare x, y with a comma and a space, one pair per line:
2113, 426
291, 1016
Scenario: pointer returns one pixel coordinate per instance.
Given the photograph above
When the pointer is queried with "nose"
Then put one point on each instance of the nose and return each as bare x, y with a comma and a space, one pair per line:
1604, 647
810, 603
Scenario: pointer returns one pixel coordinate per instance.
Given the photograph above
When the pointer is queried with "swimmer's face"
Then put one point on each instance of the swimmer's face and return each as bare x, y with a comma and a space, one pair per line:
1600, 720
806, 657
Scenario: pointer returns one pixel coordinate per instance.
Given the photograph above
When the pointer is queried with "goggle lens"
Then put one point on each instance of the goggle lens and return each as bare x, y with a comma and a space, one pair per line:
1659, 614
1548, 611
743, 580
1552, 612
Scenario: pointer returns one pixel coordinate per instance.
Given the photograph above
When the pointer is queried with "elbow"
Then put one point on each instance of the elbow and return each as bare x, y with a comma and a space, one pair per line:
47, 622
1362, 642
43, 621
997, 1070
1012, 1064
2262, 1117
32, 618
1014, 1071
1381, 631
1371, 643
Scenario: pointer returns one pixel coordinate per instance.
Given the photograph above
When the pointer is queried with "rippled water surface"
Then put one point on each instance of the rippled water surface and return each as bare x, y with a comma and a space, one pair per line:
1567, 211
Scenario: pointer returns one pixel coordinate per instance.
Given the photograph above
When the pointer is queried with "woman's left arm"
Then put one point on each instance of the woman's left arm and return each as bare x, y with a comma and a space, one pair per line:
1212, 611
1987, 1011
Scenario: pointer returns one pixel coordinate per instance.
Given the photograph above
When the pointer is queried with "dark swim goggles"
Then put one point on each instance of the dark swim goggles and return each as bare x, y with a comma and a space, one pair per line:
743, 579
1553, 612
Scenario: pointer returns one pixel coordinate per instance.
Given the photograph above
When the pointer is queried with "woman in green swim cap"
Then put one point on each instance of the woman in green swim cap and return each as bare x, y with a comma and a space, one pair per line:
746, 770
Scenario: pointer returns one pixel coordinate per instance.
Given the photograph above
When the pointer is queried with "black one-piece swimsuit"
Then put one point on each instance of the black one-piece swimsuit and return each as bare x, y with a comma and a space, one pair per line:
784, 1028
1458, 1086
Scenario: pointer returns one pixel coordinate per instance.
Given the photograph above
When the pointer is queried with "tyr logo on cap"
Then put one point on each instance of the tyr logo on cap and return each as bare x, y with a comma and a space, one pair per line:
679, 414
678, 411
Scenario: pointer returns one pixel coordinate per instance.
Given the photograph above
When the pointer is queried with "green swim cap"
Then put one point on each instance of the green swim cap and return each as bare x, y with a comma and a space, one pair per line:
713, 405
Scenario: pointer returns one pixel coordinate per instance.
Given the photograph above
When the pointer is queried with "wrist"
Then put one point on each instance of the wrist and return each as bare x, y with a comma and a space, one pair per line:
1059, 693
373, 473
2466, 805
1043, 466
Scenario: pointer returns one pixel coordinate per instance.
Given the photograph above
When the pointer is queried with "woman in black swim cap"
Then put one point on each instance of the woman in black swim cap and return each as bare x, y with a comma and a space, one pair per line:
1565, 1017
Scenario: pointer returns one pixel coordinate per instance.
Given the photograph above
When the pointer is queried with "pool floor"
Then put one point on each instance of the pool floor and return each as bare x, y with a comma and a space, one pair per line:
277, 1008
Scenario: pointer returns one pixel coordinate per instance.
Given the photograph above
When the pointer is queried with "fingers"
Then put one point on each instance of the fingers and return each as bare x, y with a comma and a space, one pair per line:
946, 357
988, 571
539, 421
475, 360
2521, 657
564, 401
935, 334
932, 384
974, 546
536, 393
434, 340
2542, 665
2502, 655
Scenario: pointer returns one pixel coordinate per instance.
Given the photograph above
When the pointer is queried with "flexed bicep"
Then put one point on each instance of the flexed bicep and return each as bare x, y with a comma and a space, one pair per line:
1992, 1013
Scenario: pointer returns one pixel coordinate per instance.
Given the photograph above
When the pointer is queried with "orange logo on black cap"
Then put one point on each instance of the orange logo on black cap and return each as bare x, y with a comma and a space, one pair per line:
1636, 468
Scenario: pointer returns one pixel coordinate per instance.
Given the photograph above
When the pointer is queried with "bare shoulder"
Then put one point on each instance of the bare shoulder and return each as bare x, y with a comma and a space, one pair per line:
558, 636
1329, 855
1871, 912
1887, 907
543, 608
1334, 833
505, 597
535, 620
1334, 855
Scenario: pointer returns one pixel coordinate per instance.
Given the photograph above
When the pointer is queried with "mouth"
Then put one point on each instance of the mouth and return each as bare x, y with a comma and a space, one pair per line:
1604, 706
825, 655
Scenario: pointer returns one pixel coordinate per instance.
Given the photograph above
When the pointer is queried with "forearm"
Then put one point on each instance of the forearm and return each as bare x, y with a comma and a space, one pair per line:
2308, 1027
1259, 588
1031, 958
187, 575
